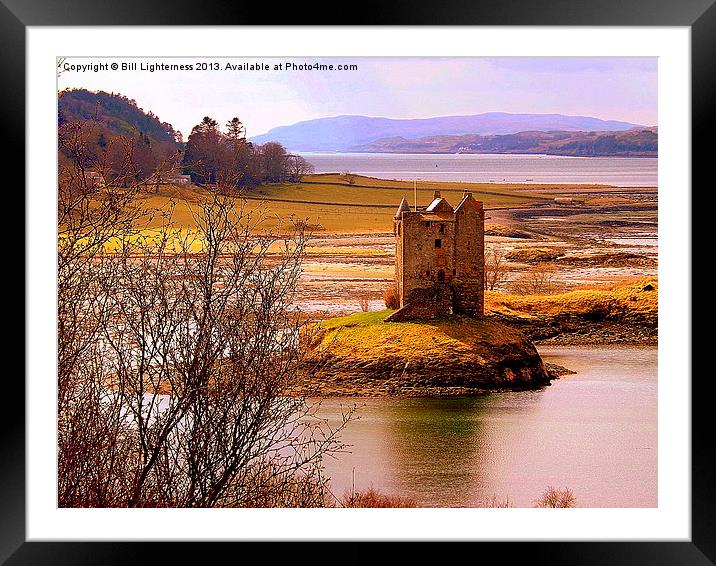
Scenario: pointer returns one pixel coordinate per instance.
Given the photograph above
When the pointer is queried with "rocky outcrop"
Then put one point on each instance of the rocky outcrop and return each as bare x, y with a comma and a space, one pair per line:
596, 327
453, 356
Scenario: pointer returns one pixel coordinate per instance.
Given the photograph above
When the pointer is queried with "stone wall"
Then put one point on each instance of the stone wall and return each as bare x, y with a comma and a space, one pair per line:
425, 304
470, 258
421, 261
457, 263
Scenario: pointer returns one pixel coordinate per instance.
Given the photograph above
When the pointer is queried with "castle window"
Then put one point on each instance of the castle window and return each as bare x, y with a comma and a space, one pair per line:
427, 274
438, 243
427, 224
454, 271
442, 228
441, 275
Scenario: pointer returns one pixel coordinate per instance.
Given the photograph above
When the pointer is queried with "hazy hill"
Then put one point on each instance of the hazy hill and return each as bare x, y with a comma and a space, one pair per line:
342, 133
116, 114
636, 142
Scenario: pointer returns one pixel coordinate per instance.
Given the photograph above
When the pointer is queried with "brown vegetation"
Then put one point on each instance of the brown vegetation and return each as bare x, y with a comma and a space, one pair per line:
607, 259
533, 255
638, 297
553, 497
496, 271
177, 354
506, 232
495, 503
229, 161
373, 498
391, 298
364, 302
624, 313
539, 279
349, 177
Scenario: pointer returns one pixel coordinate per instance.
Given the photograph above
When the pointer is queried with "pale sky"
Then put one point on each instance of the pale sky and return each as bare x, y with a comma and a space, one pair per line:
610, 88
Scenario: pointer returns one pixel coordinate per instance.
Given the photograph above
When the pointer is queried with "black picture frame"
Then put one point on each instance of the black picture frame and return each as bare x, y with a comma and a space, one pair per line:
699, 15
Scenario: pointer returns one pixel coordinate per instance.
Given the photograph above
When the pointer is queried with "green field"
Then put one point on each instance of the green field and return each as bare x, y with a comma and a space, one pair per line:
369, 191
331, 203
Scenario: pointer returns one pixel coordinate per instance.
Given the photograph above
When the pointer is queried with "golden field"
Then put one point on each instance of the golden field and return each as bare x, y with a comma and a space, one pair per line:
640, 296
328, 203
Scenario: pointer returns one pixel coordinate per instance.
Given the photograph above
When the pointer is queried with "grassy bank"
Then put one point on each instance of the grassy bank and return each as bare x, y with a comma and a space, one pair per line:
621, 314
638, 298
453, 338
330, 203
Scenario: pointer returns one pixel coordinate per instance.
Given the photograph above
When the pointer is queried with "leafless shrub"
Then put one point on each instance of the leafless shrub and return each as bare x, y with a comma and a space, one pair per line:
495, 269
178, 352
537, 280
373, 498
553, 497
364, 303
496, 503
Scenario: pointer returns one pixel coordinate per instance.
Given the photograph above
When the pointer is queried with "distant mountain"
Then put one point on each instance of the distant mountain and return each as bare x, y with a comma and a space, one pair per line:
116, 115
635, 142
342, 133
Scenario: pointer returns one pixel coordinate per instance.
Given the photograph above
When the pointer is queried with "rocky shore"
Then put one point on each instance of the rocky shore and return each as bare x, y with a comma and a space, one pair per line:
625, 314
574, 330
362, 355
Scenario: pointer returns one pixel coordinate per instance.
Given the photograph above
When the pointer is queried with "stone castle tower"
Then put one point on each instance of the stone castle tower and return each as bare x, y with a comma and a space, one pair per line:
440, 259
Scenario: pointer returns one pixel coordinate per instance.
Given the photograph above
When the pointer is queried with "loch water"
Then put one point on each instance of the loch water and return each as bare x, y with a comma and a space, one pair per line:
489, 168
594, 432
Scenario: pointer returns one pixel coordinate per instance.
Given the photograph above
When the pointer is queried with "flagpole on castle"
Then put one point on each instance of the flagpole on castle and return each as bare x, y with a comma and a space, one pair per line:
415, 194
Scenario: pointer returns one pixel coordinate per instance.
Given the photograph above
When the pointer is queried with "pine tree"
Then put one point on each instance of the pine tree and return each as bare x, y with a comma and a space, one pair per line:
236, 130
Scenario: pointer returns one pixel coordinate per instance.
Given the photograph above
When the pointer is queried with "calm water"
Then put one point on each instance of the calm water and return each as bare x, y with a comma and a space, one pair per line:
594, 432
620, 171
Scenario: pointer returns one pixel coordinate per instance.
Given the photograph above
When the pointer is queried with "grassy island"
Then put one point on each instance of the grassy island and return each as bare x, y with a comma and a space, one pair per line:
361, 354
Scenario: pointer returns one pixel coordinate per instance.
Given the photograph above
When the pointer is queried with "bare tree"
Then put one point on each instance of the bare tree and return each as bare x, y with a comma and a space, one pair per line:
495, 269
539, 279
179, 357
91, 216
553, 497
298, 168
497, 503
274, 161
364, 302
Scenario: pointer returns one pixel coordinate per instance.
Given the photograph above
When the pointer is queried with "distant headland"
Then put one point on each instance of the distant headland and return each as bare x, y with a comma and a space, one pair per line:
492, 132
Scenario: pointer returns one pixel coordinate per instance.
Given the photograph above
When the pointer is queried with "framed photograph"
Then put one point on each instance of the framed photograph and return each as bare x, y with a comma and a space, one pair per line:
422, 278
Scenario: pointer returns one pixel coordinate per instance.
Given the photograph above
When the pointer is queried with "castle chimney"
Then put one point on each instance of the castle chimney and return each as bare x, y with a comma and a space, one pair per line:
436, 194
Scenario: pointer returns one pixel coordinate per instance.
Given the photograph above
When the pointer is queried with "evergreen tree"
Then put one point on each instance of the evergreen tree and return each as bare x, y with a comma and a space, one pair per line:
235, 130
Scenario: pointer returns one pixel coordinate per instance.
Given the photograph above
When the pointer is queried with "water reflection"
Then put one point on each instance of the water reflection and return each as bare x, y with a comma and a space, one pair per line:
594, 432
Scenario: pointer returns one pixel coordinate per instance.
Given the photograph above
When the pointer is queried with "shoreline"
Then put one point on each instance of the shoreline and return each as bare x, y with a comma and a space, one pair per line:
326, 389
576, 331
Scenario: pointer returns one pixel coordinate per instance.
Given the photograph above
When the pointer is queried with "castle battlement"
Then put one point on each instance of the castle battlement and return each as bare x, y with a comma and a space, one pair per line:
440, 259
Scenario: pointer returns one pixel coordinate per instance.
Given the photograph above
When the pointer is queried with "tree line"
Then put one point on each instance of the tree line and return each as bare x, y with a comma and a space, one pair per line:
123, 155
227, 158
